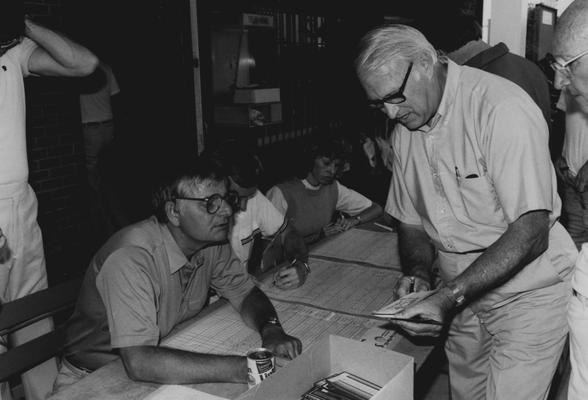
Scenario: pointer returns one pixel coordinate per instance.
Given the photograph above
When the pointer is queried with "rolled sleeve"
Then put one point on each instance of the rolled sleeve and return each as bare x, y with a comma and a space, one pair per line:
229, 277
271, 221
129, 297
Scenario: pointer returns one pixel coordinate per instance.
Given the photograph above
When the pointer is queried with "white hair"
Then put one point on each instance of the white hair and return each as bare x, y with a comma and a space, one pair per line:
571, 31
391, 43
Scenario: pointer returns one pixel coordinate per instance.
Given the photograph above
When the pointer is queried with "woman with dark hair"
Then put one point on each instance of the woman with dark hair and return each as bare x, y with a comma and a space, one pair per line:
311, 204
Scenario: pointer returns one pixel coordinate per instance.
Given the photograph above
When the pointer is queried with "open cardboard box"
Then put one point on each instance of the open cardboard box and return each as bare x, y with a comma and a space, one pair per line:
389, 369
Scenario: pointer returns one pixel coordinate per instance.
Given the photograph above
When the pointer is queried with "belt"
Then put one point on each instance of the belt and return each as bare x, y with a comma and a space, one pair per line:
97, 123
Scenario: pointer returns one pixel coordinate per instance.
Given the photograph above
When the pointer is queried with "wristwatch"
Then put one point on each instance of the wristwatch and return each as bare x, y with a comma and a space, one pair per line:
456, 293
271, 321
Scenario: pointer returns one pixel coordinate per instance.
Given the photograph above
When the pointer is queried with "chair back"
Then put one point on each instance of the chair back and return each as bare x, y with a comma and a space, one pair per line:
27, 310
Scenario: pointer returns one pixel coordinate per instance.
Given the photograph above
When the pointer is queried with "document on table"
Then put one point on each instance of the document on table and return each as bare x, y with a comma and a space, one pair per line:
224, 332
361, 246
347, 288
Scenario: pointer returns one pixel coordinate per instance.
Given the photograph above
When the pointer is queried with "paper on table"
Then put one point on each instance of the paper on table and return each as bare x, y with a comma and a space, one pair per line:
223, 332
362, 246
177, 392
346, 288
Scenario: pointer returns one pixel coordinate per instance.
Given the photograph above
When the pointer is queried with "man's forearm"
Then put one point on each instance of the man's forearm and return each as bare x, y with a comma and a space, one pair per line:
257, 310
524, 240
74, 58
417, 253
172, 366
293, 244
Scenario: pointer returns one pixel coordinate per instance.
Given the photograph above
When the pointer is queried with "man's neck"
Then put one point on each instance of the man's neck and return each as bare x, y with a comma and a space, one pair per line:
467, 51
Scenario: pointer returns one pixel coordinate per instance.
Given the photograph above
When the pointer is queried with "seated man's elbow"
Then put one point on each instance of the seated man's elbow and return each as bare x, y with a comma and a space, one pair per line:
134, 361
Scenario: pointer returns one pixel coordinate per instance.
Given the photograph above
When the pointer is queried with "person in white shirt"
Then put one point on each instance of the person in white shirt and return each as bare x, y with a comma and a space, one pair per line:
258, 216
26, 48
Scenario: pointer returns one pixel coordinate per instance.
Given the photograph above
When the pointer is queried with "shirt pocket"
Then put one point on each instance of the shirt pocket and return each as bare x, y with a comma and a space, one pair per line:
479, 201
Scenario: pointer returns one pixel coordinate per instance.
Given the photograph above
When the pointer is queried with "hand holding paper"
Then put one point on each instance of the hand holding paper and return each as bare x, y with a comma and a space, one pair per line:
418, 313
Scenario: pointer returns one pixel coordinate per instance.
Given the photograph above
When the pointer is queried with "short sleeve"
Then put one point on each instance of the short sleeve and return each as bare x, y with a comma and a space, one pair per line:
351, 202
229, 278
129, 297
112, 82
22, 54
275, 195
518, 159
271, 221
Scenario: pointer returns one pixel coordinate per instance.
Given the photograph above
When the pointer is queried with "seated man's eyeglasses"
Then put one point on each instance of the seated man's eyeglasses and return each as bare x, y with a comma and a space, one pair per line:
563, 67
392, 98
215, 202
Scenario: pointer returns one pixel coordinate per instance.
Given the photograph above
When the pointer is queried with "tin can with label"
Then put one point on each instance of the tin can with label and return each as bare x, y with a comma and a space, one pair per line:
261, 363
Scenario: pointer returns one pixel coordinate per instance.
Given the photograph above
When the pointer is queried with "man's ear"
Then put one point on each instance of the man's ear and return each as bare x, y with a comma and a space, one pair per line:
172, 212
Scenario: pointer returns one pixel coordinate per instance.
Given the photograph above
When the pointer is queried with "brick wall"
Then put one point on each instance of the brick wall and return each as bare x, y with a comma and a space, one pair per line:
55, 155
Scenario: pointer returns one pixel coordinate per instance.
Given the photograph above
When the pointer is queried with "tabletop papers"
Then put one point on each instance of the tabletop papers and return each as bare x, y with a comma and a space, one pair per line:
224, 332
347, 288
361, 246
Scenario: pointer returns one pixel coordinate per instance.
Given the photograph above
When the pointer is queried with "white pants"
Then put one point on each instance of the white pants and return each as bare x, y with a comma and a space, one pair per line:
578, 321
24, 274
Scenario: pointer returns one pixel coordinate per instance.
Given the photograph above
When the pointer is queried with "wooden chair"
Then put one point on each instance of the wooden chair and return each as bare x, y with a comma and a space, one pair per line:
26, 311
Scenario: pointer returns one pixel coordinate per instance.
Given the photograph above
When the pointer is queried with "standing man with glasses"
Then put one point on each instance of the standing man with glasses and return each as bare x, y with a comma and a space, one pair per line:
570, 62
155, 274
473, 183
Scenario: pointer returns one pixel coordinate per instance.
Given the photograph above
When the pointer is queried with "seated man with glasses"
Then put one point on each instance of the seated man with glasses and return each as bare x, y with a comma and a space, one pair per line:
570, 62
318, 205
474, 190
151, 276
255, 216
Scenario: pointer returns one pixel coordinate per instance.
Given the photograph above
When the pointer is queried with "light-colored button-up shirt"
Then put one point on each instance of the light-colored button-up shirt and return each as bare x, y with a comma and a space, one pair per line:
481, 163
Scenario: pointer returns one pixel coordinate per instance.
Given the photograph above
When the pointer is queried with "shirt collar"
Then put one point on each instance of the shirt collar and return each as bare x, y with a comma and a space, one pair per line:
448, 98
175, 257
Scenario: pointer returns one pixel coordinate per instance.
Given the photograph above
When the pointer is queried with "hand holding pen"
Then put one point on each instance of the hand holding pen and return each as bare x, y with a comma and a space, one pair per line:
409, 284
292, 274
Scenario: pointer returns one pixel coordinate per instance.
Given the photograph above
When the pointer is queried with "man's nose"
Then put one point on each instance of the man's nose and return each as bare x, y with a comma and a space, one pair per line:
560, 80
226, 209
391, 110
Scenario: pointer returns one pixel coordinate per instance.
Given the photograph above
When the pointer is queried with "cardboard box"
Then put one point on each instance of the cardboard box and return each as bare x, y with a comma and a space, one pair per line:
257, 95
389, 369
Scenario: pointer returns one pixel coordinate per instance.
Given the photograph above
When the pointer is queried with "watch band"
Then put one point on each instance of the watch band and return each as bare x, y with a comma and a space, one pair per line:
456, 293
271, 321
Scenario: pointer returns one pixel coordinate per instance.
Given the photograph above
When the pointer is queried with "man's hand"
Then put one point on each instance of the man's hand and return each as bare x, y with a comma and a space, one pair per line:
291, 276
408, 284
277, 341
434, 305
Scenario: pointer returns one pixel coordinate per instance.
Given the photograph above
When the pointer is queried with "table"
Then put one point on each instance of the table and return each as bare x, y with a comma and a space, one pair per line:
352, 274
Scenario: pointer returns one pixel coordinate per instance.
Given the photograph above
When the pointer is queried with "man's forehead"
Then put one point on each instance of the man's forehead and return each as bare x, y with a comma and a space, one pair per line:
206, 187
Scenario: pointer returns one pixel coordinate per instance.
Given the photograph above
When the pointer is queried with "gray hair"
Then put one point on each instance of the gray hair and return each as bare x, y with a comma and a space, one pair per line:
390, 43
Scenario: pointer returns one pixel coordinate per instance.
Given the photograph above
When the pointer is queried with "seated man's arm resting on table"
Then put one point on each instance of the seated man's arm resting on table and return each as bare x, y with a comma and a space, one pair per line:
167, 365
524, 240
152, 363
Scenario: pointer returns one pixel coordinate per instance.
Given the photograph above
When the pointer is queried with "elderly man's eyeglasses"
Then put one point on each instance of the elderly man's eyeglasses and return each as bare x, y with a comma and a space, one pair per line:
215, 202
565, 66
393, 98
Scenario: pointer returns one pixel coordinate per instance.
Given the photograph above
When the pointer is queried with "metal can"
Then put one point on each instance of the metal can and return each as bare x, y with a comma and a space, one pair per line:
261, 363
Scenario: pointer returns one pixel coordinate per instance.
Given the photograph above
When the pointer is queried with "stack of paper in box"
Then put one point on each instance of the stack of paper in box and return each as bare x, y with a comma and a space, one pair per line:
342, 386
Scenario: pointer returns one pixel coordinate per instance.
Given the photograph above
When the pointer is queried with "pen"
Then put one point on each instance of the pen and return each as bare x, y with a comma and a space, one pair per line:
384, 227
411, 287
457, 174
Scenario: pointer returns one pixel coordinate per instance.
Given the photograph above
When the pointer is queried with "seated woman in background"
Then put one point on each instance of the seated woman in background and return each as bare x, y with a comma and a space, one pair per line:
311, 204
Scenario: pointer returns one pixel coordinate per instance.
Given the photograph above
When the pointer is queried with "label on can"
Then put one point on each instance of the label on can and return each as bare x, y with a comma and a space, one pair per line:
261, 363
